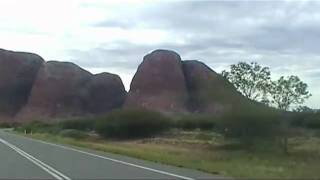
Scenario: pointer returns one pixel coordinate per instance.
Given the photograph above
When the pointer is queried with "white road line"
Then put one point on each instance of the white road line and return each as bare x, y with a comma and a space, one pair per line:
45, 165
33, 161
56, 174
114, 160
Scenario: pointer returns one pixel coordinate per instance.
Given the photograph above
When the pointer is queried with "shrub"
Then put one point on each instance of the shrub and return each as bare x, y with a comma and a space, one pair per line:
38, 126
186, 123
313, 121
32, 126
253, 128
192, 122
309, 120
298, 118
251, 124
73, 133
6, 125
132, 124
78, 124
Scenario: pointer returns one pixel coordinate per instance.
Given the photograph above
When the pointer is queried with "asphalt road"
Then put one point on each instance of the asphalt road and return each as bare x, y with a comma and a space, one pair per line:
25, 158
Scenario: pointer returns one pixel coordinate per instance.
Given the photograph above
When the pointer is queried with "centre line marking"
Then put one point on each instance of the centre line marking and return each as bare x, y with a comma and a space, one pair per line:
110, 159
56, 174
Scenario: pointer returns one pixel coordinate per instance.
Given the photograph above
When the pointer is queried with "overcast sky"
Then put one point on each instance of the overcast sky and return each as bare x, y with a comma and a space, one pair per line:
114, 36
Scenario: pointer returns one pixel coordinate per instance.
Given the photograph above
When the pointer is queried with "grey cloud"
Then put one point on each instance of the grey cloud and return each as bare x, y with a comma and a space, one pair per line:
281, 34
289, 27
286, 39
123, 54
124, 24
100, 57
314, 75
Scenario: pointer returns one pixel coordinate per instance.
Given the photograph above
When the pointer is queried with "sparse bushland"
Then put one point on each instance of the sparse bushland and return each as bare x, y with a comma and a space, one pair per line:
247, 126
242, 144
118, 124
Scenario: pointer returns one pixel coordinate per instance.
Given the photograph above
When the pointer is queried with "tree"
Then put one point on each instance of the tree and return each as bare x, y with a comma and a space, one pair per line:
288, 91
251, 79
254, 82
284, 93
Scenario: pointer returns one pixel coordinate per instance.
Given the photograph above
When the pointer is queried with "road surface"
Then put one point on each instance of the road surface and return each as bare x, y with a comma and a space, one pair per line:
25, 158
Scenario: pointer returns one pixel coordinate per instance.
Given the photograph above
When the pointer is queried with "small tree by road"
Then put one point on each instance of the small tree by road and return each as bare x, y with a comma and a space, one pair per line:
254, 82
288, 91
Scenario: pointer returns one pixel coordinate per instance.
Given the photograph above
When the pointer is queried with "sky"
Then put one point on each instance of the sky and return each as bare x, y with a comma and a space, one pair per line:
113, 36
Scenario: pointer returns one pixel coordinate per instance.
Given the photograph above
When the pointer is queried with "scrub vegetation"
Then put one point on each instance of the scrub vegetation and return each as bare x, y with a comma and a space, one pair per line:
211, 152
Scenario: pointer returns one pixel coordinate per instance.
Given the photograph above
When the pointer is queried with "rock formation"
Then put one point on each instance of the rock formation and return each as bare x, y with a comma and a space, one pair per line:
18, 71
31, 89
165, 83
103, 93
159, 83
64, 90
208, 91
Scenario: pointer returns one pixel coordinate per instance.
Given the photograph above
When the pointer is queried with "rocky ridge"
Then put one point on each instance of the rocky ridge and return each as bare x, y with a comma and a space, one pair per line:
32, 89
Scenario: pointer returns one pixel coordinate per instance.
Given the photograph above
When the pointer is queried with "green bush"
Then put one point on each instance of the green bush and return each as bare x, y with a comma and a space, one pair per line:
192, 122
79, 124
309, 120
32, 126
7, 124
313, 121
38, 126
124, 124
298, 118
250, 124
73, 133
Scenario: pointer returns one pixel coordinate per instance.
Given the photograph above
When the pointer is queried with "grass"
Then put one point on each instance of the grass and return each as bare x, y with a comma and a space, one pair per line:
211, 153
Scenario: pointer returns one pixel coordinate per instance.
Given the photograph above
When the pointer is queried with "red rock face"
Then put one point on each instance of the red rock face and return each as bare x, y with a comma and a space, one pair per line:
103, 93
64, 90
56, 92
159, 83
33, 90
18, 71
